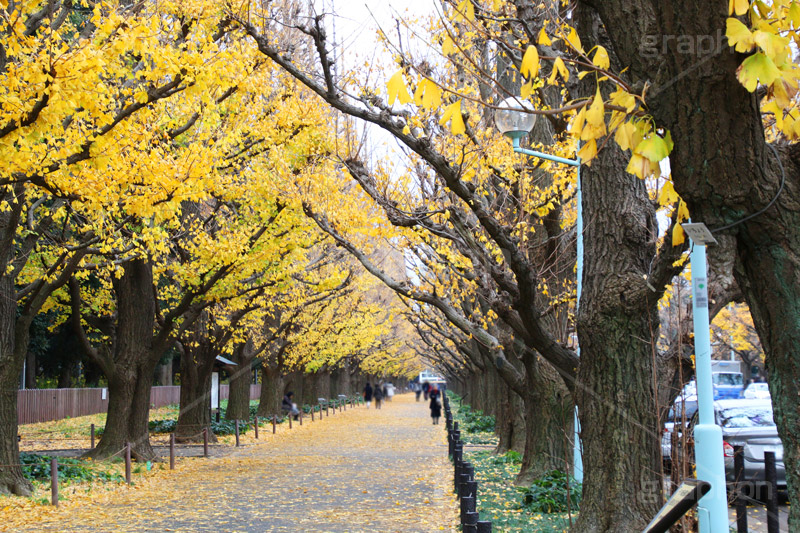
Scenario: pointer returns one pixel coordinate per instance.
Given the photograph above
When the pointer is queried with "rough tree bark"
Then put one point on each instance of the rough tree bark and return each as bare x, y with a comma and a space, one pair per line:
239, 391
617, 324
197, 365
272, 385
130, 374
12, 479
724, 169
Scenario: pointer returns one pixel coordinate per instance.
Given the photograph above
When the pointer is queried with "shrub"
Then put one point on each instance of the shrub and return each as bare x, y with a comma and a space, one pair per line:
548, 494
37, 467
510, 457
476, 421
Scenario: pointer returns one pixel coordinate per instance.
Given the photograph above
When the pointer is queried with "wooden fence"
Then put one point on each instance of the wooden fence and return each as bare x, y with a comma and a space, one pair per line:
43, 405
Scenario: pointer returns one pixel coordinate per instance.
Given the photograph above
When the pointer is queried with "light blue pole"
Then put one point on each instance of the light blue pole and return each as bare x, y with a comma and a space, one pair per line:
577, 450
541, 155
712, 509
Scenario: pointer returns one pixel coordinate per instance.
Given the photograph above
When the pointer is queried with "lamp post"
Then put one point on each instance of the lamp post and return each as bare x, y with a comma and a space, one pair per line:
514, 120
712, 509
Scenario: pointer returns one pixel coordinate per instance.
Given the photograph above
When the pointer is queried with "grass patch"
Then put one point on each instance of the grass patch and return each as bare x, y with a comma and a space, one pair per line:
499, 501
37, 468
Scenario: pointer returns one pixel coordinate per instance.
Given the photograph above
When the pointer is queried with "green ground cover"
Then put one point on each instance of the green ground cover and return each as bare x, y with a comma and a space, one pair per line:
499, 500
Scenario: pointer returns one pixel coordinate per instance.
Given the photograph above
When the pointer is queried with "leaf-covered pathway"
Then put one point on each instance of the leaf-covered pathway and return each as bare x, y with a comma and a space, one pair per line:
361, 470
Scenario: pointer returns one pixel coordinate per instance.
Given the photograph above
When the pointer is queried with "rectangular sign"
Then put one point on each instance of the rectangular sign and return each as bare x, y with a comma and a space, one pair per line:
701, 292
215, 390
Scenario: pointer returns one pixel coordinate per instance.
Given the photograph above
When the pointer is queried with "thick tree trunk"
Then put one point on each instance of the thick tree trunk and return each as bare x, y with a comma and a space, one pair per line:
239, 391
30, 370
128, 415
617, 325
130, 379
272, 384
163, 375
724, 170
13, 334
197, 365
770, 280
548, 423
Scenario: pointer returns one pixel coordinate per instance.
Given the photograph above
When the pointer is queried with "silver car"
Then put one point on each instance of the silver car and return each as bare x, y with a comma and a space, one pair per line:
749, 423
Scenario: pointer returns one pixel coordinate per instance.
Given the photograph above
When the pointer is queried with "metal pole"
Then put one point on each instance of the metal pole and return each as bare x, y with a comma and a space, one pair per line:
205, 442
712, 509
92, 434
256, 427
738, 477
172, 451
771, 477
237, 432
577, 450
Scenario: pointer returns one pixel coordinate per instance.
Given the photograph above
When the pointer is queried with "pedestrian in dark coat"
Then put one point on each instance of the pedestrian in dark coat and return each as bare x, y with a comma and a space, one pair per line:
378, 395
435, 405
368, 395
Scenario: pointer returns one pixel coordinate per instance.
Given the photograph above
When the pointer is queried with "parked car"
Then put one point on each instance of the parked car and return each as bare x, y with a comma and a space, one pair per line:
682, 411
758, 391
749, 423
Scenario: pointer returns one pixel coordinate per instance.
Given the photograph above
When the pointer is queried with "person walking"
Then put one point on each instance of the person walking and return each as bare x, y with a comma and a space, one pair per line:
378, 394
417, 388
426, 387
368, 395
435, 405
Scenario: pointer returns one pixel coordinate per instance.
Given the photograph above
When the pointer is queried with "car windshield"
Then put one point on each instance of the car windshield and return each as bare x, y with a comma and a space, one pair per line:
728, 379
746, 417
676, 413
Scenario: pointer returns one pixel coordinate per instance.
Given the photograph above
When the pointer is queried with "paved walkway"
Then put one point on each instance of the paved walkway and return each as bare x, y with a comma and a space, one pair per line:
363, 470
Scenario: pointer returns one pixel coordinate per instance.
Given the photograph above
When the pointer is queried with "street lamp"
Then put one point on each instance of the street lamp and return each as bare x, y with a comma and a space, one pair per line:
712, 509
514, 118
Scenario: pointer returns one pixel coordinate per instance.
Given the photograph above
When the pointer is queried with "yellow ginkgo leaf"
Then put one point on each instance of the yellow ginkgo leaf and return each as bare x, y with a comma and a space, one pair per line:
574, 40
530, 63
655, 148
758, 68
558, 68
678, 236
739, 7
739, 35
448, 46
683, 211
588, 152
624, 135
397, 89
526, 90
453, 114
465, 11
667, 196
543, 39
600, 58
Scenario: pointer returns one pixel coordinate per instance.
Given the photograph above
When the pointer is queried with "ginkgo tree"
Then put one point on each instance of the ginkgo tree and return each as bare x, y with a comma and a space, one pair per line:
582, 98
73, 77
